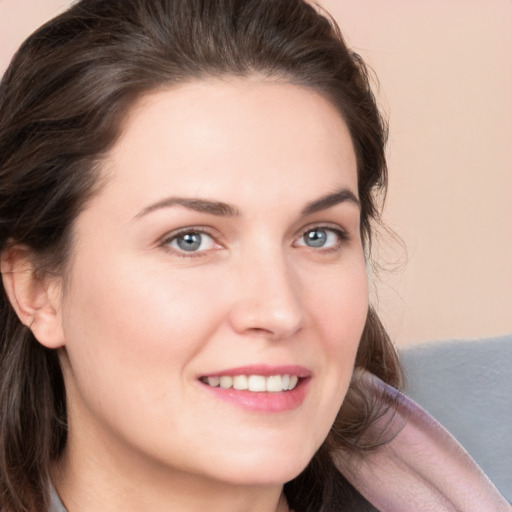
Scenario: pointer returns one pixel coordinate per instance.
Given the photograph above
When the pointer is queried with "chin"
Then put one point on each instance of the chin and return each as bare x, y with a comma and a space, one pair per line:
272, 470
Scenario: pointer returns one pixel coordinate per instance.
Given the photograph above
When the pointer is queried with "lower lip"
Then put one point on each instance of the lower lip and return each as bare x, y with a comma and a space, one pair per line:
262, 401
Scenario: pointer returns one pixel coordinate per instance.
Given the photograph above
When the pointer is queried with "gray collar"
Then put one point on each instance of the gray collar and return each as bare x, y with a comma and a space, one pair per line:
55, 503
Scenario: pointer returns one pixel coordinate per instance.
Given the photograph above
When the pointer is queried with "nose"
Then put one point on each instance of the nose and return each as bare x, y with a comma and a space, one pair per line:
268, 298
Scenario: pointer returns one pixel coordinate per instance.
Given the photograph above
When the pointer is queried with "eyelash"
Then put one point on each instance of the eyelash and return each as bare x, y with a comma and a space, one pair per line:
341, 234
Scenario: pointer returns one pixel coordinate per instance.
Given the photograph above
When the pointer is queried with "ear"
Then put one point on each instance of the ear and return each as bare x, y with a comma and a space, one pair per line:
34, 294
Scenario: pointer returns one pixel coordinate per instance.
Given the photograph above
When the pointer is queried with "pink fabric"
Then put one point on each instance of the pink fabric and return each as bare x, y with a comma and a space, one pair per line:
423, 468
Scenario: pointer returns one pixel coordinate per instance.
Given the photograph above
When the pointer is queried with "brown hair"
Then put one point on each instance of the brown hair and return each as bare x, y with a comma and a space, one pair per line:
62, 102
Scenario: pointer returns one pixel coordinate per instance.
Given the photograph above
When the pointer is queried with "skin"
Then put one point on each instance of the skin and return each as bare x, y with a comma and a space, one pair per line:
138, 320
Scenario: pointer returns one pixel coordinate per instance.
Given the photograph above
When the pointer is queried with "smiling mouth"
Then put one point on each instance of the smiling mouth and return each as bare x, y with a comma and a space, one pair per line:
254, 383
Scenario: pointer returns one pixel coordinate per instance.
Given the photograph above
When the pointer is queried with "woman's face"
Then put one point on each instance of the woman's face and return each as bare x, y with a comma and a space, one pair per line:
223, 250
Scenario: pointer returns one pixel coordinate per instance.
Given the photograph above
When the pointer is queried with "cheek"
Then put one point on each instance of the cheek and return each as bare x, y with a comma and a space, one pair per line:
137, 327
349, 319
131, 339
338, 310
340, 306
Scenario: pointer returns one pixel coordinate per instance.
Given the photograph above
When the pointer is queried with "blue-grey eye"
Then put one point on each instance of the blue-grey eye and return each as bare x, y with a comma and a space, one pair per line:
319, 238
192, 241
315, 238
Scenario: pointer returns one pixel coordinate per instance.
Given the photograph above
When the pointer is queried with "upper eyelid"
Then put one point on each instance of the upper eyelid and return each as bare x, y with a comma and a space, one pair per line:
170, 235
324, 225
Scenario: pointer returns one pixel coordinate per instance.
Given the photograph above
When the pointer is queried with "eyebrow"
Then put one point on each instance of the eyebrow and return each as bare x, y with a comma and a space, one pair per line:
222, 209
341, 196
199, 205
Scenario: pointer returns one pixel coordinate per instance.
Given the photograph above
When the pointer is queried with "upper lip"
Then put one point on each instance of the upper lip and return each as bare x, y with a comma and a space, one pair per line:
265, 370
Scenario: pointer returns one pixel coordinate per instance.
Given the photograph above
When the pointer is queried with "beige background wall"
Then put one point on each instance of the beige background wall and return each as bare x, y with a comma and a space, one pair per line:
445, 72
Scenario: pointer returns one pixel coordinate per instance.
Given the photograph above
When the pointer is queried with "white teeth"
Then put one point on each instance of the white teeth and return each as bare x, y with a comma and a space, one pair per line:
275, 383
213, 381
257, 383
240, 382
254, 383
226, 382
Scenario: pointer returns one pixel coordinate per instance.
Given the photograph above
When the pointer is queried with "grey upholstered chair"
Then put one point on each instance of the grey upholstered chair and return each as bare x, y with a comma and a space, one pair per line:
467, 386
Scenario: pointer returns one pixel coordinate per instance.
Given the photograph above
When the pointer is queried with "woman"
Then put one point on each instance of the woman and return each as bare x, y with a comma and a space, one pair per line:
188, 193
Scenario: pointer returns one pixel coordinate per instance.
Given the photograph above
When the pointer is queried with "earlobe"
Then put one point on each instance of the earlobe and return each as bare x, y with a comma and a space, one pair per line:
34, 295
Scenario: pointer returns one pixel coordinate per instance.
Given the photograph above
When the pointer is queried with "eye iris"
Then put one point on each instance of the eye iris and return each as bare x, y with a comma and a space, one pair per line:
189, 241
315, 238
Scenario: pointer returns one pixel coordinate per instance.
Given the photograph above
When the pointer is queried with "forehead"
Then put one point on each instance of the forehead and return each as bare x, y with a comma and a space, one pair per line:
247, 135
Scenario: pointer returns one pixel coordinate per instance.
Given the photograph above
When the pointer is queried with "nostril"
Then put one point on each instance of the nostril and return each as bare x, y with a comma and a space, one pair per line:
261, 332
